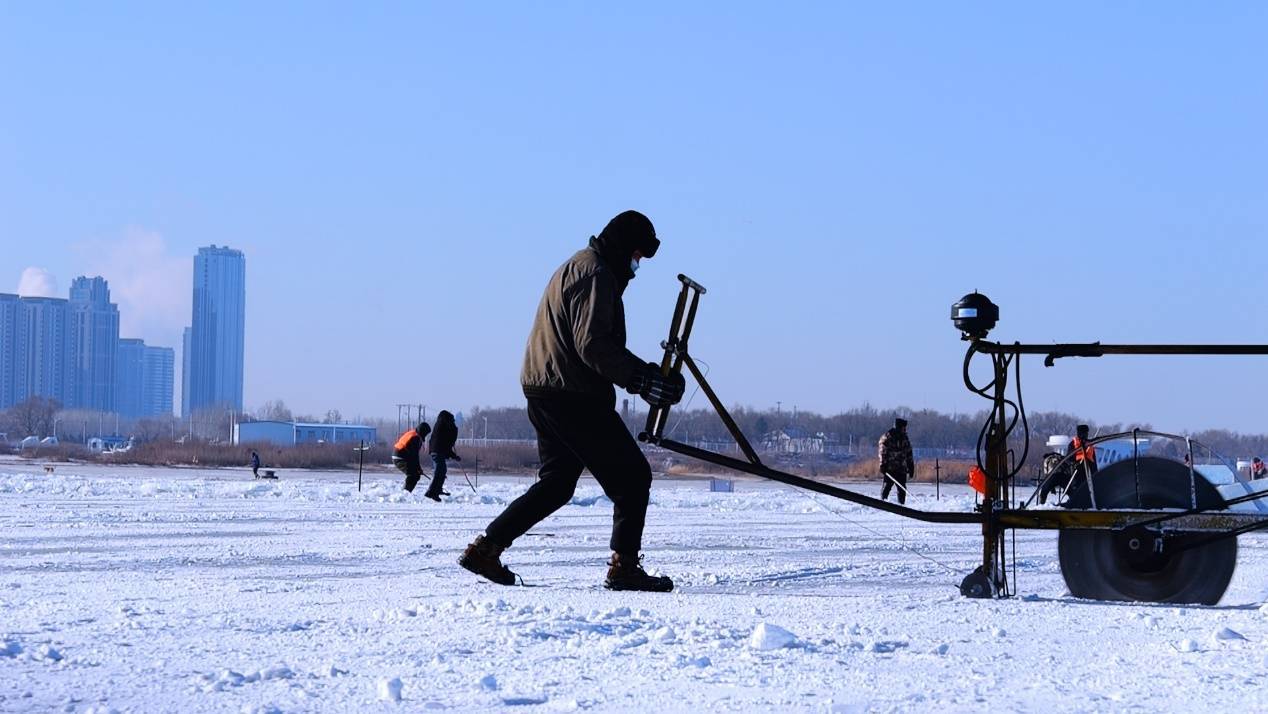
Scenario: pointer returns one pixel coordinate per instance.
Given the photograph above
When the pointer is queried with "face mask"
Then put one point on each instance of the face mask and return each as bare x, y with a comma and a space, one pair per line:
633, 265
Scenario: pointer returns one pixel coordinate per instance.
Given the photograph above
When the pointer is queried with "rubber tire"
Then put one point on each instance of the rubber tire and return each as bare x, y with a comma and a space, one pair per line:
1094, 564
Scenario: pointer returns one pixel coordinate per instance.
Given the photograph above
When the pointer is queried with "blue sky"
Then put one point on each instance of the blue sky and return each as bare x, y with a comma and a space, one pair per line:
404, 177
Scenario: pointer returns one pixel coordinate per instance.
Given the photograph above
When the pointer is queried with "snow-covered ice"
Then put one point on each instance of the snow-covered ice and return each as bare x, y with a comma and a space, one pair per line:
136, 589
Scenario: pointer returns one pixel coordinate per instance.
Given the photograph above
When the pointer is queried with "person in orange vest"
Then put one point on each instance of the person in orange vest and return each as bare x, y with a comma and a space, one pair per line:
405, 453
1084, 452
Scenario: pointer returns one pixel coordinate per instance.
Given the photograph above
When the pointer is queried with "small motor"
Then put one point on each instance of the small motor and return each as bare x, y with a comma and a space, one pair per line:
974, 316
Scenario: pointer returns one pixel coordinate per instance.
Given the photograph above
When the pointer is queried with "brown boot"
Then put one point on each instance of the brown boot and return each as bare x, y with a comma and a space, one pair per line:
626, 573
484, 558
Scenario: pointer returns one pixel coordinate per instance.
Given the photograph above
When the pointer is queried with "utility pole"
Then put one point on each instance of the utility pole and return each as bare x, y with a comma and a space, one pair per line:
360, 462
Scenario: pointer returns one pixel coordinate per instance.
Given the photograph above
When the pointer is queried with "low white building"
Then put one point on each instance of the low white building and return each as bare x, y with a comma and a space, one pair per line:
286, 433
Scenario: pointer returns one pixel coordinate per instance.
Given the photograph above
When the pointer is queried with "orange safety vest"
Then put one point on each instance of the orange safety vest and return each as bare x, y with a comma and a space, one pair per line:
1083, 453
403, 442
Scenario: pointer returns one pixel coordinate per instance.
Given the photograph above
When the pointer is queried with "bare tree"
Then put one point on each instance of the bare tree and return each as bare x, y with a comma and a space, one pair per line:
146, 430
333, 417
34, 417
274, 411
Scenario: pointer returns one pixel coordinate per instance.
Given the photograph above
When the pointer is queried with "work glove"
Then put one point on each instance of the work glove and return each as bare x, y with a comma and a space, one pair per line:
657, 389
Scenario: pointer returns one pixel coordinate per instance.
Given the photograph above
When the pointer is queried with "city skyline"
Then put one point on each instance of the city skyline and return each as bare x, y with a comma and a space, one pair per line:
69, 350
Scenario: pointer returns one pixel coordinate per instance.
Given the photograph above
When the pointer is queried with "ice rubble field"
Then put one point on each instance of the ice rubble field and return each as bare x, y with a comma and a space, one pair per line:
179, 590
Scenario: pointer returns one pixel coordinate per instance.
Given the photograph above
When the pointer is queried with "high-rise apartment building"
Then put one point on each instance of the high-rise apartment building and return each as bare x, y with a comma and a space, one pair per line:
10, 315
143, 381
218, 329
93, 341
158, 374
42, 349
185, 350
129, 373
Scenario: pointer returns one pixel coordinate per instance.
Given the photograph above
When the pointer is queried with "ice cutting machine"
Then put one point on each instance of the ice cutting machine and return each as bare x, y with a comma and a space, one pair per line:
1148, 529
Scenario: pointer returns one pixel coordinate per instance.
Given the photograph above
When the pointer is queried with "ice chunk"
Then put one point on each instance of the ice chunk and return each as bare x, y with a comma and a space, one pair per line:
767, 637
683, 661
1226, 634
630, 642
1187, 646
390, 689
665, 635
489, 683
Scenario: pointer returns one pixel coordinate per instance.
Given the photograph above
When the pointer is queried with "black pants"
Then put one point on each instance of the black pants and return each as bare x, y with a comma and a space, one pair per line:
574, 435
412, 470
437, 474
890, 478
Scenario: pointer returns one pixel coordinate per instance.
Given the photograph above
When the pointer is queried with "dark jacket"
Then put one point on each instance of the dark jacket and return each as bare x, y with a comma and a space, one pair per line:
443, 436
577, 344
894, 452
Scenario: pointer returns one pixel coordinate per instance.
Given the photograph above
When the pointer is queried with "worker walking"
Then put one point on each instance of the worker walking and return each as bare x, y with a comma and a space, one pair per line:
576, 353
405, 454
896, 461
440, 446
255, 464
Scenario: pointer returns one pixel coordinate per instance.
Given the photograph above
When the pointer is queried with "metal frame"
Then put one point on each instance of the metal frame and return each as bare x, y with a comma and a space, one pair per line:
994, 514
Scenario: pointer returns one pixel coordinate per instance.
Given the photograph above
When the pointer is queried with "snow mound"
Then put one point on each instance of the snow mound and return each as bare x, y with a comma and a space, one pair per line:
768, 637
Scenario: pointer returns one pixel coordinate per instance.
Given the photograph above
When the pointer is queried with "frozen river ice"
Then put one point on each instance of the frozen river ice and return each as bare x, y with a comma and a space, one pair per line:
140, 589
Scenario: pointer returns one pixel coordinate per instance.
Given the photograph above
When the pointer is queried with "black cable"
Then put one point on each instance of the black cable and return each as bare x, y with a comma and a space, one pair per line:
1021, 409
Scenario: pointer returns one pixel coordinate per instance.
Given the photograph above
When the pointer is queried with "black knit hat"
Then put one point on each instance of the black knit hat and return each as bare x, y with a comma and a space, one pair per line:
900, 423
630, 231
423, 428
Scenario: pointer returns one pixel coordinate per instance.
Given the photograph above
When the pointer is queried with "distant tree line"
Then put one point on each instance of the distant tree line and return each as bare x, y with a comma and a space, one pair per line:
858, 428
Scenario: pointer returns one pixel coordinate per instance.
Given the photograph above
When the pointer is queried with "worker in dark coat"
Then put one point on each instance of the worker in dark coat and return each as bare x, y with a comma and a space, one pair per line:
440, 446
255, 464
896, 462
576, 353
405, 454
